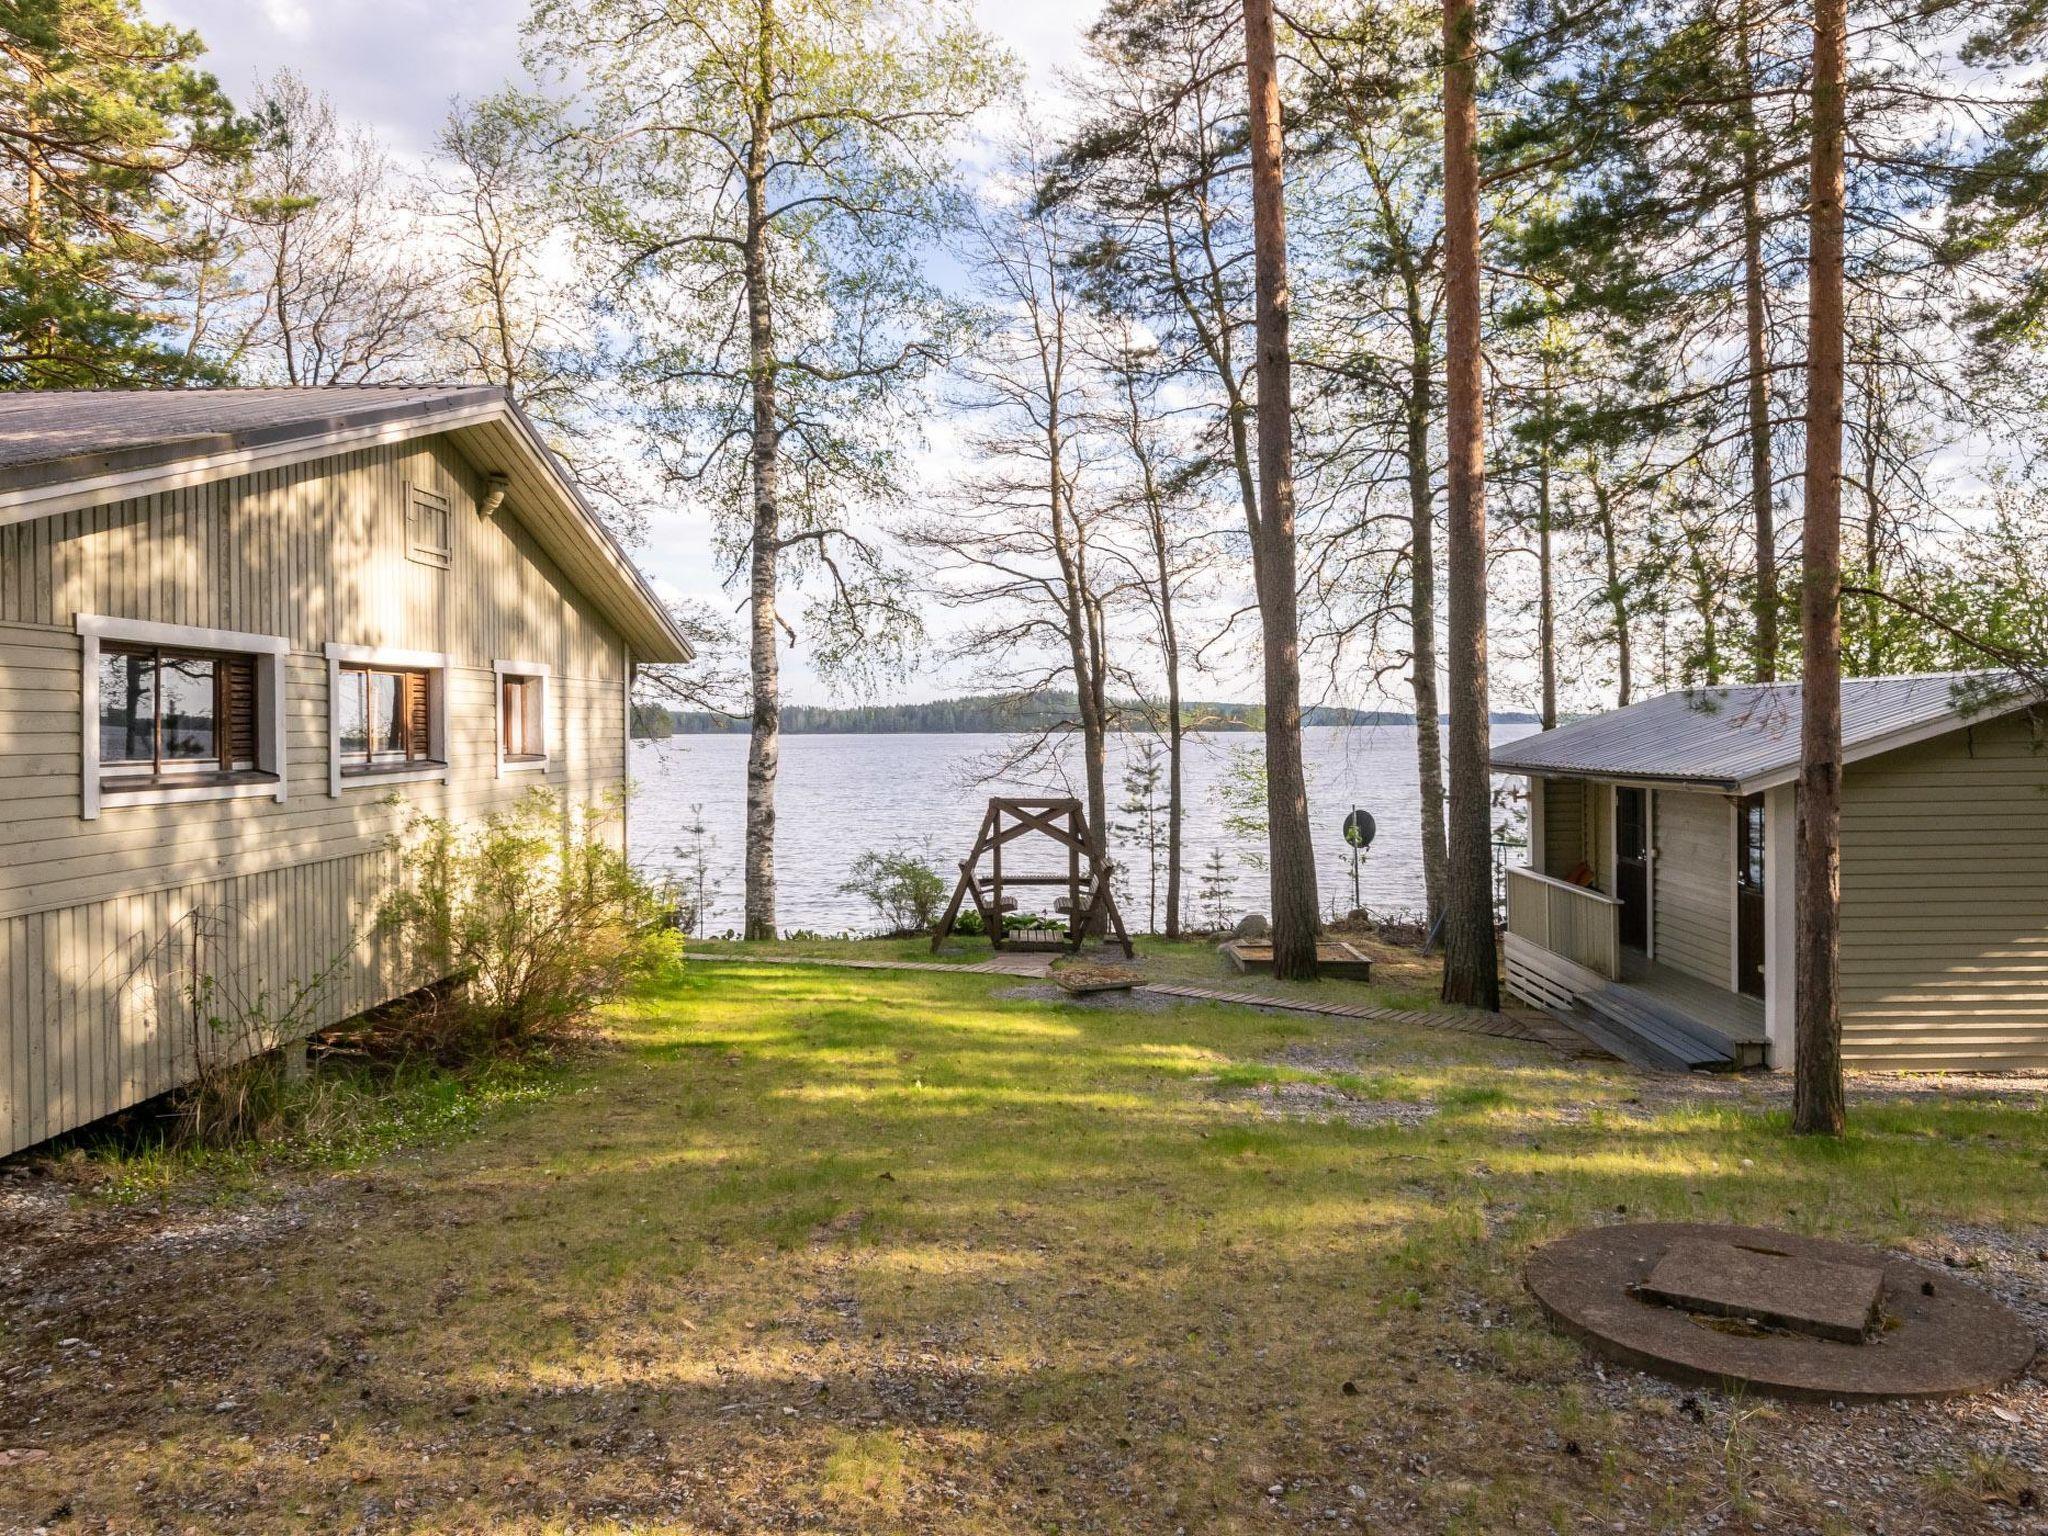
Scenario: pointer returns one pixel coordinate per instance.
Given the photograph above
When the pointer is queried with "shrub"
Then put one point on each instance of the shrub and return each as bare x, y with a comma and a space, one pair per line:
534, 910
904, 888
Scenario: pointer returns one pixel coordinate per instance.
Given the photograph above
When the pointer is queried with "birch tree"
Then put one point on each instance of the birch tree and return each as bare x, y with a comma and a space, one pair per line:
1170, 551
759, 182
512, 312
1376, 330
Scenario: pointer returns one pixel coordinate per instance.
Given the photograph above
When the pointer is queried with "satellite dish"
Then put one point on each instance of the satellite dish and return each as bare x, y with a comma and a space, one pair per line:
1359, 829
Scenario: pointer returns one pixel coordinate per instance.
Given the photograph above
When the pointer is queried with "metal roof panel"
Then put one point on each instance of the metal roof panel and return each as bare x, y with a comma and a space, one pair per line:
1731, 736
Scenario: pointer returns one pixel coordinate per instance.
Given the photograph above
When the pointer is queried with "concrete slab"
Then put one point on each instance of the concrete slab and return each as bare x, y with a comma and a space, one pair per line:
1769, 1286
1937, 1335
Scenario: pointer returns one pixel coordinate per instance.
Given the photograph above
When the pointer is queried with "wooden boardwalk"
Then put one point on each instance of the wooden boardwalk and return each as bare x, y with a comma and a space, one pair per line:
1525, 1024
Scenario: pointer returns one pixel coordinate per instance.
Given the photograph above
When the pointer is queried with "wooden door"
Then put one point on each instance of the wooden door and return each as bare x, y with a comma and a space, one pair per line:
1632, 866
1749, 895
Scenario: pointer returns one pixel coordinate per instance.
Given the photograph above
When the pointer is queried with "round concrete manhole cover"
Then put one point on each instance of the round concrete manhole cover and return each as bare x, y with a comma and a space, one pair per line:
1750, 1308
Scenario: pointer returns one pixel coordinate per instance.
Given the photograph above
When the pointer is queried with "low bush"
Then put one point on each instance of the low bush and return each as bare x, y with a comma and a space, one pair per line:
905, 889
536, 914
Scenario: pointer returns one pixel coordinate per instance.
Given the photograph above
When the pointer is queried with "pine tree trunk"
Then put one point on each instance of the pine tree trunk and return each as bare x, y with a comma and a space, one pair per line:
764, 747
1546, 575
1471, 964
1817, 1107
1291, 853
1429, 746
1763, 512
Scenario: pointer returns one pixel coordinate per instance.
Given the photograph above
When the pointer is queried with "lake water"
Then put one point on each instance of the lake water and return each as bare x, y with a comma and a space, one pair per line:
842, 795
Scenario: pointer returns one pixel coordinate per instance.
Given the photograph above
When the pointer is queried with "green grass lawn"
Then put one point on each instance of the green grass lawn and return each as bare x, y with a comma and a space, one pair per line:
878, 1252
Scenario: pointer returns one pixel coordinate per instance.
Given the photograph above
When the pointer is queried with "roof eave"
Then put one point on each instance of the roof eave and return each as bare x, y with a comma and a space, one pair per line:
57, 486
1784, 772
1709, 783
658, 639
1892, 741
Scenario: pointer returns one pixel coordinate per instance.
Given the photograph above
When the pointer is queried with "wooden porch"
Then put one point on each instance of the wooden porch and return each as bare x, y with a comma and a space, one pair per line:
1564, 954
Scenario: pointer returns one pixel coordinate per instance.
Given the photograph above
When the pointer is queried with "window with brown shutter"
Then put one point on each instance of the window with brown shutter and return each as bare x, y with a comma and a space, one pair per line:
238, 707
418, 710
384, 717
175, 716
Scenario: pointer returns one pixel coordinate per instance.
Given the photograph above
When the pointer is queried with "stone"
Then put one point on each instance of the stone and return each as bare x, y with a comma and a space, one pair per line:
1252, 925
1769, 1286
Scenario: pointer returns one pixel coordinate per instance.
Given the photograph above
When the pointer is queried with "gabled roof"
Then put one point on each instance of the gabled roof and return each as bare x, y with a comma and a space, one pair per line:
65, 449
1746, 738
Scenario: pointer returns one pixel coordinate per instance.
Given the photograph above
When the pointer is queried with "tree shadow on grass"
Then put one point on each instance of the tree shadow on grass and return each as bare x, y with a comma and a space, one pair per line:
874, 1253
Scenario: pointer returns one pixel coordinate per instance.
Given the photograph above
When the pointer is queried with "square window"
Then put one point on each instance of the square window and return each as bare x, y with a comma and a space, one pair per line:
352, 714
188, 690
383, 717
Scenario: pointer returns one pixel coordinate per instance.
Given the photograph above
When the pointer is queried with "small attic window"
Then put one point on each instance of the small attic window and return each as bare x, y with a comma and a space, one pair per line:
428, 527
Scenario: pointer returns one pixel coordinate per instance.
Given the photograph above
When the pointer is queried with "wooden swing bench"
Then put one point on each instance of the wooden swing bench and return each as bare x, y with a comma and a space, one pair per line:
1088, 904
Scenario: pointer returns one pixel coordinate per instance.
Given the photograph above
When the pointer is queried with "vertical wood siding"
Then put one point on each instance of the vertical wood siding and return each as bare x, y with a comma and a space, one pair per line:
1945, 902
90, 911
109, 1003
1694, 907
1564, 826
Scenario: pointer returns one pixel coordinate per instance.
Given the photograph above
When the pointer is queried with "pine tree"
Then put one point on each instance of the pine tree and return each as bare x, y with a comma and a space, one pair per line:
101, 113
1217, 884
1817, 1098
1295, 905
1144, 818
1672, 126
1471, 963
1376, 116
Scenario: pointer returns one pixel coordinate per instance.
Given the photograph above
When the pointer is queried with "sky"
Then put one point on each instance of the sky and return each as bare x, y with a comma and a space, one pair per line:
394, 65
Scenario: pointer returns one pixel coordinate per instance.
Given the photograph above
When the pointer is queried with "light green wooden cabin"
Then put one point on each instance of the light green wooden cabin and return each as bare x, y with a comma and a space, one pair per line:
1656, 910
244, 635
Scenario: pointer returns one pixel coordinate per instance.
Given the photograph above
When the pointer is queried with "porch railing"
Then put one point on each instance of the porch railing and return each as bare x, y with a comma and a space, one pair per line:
1569, 920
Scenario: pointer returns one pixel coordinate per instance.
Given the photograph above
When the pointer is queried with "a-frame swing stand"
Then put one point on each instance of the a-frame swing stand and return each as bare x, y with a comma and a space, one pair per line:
1090, 905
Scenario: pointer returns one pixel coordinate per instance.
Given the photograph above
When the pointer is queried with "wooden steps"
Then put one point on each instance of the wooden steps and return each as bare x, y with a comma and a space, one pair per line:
1671, 1027
1642, 1027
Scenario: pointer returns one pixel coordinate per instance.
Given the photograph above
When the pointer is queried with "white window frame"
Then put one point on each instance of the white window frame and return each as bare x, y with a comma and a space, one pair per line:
540, 670
268, 652
435, 665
